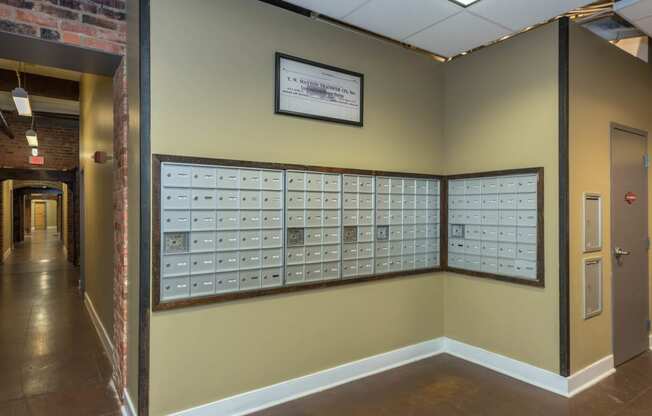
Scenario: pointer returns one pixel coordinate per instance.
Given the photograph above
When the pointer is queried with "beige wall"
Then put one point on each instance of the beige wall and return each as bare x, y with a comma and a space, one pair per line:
7, 218
502, 113
52, 219
96, 134
607, 85
133, 199
212, 95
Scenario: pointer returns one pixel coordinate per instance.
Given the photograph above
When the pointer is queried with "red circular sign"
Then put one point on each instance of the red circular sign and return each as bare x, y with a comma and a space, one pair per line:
630, 197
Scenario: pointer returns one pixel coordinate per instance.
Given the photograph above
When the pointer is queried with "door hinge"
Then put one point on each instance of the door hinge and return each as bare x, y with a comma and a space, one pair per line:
647, 243
648, 325
646, 161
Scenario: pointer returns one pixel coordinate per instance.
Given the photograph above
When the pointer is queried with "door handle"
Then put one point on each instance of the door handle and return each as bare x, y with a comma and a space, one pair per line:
620, 252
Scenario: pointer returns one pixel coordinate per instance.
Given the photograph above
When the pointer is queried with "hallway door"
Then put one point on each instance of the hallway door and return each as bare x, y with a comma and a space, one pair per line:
40, 220
629, 233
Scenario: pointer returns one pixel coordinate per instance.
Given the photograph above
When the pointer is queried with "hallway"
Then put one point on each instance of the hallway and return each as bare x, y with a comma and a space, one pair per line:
51, 359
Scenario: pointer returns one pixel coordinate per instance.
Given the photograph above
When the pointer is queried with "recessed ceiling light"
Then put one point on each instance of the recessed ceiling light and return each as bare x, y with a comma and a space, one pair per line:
464, 3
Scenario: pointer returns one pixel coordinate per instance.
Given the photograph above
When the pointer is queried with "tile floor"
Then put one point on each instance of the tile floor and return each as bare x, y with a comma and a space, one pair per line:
447, 386
52, 363
51, 359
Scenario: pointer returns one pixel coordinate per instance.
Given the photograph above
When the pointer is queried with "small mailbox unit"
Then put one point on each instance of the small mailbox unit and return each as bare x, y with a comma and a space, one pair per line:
495, 225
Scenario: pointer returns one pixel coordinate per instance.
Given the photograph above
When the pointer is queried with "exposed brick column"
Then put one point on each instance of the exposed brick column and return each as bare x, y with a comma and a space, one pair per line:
120, 140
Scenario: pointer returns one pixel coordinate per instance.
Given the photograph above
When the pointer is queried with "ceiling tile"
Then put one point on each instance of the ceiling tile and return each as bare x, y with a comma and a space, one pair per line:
519, 14
645, 25
399, 20
634, 10
331, 8
457, 34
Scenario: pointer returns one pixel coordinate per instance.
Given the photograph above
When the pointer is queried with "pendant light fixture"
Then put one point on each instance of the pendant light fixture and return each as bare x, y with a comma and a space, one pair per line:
21, 99
32, 138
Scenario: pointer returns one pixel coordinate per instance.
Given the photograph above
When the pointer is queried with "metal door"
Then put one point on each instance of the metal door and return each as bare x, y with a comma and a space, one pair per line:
629, 243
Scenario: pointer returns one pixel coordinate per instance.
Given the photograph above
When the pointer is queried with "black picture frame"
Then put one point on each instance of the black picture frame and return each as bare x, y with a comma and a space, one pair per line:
277, 96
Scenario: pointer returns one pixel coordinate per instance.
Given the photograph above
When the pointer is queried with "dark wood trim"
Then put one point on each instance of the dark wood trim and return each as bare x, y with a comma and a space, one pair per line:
145, 206
156, 233
564, 201
443, 224
289, 6
541, 275
277, 96
67, 176
157, 159
504, 172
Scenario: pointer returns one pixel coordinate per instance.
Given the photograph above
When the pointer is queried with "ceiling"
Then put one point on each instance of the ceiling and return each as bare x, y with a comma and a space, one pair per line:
441, 26
40, 103
636, 12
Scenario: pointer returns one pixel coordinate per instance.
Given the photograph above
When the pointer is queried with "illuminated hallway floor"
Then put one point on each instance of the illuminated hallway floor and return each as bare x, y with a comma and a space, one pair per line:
448, 386
51, 359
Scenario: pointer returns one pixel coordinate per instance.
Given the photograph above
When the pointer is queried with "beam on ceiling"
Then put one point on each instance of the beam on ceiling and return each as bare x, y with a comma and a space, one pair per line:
40, 85
58, 55
67, 176
4, 127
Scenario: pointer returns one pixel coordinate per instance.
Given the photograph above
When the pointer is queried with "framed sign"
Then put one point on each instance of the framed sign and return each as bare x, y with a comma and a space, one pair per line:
322, 92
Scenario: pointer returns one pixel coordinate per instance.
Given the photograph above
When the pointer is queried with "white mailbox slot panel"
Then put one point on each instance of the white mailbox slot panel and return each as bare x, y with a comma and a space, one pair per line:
227, 229
493, 224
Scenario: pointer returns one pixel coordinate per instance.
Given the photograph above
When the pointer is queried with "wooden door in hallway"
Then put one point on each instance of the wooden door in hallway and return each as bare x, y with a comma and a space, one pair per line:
40, 220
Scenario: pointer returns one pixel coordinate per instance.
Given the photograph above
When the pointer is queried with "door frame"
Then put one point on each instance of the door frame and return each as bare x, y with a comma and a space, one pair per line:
613, 126
45, 213
82, 219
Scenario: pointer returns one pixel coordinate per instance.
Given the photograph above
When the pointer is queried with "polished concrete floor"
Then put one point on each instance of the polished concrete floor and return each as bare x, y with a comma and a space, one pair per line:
447, 386
51, 359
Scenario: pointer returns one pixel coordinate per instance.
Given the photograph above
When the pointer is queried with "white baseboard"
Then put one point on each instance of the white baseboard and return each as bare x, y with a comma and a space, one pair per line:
269, 396
519, 370
590, 375
101, 331
128, 408
285, 391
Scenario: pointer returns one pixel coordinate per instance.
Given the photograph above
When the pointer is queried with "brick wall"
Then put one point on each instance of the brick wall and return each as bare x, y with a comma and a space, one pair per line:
58, 145
120, 140
95, 24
